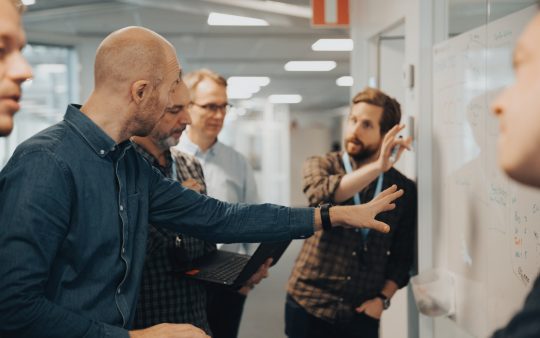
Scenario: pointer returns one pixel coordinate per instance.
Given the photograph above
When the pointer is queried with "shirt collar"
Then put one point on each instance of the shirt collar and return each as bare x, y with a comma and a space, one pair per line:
165, 170
191, 148
96, 138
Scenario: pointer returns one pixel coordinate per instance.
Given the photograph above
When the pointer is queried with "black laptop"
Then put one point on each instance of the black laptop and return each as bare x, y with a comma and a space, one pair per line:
233, 269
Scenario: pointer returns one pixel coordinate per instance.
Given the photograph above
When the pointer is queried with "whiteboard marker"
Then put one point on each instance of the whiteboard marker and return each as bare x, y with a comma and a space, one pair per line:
394, 153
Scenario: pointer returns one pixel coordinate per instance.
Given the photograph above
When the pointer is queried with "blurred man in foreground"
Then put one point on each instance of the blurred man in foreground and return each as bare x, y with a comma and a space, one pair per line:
518, 110
14, 69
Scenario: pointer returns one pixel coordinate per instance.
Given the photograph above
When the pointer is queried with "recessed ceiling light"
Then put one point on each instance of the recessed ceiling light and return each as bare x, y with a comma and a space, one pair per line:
310, 66
28, 2
345, 81
239, 93
220, 19
285, 98
333, 45
260, 81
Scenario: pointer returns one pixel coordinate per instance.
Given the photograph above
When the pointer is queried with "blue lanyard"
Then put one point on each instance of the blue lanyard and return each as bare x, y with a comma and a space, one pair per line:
378, 188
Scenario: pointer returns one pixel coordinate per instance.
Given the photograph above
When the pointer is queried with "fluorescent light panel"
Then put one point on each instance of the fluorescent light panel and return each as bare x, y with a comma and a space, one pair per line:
220, 19
28, 2
260, 81
310, 66
238, 94
345, 81
285, 98
338, 45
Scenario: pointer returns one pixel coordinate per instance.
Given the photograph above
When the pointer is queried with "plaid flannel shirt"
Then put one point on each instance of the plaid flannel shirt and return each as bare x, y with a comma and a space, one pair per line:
338, 270
166, 296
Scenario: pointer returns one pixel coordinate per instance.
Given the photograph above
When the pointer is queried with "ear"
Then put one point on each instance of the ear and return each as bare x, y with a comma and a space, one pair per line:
139, 90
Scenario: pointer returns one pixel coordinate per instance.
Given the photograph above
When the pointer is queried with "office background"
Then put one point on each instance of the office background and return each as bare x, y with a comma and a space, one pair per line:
393, 41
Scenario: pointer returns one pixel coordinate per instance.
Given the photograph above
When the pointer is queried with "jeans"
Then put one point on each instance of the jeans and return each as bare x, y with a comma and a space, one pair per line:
300, 324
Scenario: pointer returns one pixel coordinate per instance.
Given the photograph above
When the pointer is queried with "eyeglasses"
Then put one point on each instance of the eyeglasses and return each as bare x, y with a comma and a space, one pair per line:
214, 108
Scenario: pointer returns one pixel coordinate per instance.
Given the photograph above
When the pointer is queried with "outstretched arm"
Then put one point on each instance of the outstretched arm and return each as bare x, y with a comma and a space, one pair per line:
363, 215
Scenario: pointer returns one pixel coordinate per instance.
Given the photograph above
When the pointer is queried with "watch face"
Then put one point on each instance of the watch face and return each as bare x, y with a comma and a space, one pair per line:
385, 301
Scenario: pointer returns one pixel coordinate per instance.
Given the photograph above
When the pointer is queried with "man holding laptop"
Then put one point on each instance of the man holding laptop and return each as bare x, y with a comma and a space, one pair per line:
167, 295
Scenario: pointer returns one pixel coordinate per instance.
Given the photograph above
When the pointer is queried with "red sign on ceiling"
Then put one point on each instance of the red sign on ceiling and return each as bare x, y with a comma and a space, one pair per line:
330, 13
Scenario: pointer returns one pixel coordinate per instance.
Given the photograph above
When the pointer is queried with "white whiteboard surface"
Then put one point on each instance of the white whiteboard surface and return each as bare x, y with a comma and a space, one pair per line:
486, 228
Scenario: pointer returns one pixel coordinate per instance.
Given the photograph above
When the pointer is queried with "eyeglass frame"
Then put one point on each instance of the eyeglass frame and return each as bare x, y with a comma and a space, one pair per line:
212, 107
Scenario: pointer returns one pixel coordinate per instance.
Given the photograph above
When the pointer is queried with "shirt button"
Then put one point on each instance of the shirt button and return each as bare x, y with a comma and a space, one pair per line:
354, 253
121, 208
341, 299
102, 152
388, 253
348, 277
123, 250
118, 291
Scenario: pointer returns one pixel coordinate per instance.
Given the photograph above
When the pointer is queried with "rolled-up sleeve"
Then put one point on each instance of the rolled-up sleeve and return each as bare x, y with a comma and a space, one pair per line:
319, 185
35, 205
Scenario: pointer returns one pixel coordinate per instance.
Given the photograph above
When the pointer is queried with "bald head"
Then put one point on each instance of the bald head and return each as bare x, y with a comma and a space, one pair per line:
131, 54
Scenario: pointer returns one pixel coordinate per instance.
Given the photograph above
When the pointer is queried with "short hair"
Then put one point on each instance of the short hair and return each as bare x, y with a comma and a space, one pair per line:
192, 79
19, 6
391, 108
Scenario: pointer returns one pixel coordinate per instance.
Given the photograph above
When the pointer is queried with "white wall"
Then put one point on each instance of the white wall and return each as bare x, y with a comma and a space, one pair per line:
310, 135
368, 19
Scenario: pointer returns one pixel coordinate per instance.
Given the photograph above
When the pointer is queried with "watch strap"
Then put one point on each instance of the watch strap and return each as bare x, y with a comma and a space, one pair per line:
385, 300
325, 216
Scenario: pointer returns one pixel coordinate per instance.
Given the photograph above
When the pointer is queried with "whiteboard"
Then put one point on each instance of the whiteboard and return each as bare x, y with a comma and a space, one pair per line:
486, 228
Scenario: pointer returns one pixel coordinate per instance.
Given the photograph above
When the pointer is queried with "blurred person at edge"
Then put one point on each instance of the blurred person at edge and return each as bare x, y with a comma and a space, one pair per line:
14, 69
518, 110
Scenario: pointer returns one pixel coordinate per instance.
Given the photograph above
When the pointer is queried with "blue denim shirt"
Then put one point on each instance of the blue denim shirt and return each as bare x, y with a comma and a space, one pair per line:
74, 212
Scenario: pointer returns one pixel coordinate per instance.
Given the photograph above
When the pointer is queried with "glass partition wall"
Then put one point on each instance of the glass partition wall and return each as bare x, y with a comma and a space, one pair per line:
45, 96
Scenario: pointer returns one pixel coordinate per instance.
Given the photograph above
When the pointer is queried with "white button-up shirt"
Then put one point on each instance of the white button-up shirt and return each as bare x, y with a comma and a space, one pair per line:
228, 177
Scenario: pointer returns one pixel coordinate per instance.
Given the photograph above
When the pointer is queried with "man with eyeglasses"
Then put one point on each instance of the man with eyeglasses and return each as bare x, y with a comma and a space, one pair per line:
228, 175
166, 296
14, 69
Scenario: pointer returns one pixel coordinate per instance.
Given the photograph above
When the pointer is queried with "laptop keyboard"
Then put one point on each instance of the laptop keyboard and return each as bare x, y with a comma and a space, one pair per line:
227, 272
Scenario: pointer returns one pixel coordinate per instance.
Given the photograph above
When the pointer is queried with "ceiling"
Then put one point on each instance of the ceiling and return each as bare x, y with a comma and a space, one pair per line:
231, 51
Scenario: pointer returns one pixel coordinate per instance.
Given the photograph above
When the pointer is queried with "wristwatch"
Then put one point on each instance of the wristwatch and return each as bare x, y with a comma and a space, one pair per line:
385, 300
325, 216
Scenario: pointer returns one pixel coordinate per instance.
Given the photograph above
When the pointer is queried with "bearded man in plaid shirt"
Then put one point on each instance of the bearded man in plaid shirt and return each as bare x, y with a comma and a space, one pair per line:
166, 296
343, 279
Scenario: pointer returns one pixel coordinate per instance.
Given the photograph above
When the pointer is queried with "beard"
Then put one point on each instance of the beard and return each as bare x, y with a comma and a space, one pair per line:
166, 141
365, 152
147, 117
